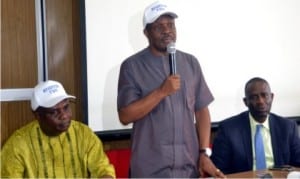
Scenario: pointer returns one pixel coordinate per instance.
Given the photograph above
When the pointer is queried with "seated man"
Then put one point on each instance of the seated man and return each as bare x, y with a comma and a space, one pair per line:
235, 143
54, 145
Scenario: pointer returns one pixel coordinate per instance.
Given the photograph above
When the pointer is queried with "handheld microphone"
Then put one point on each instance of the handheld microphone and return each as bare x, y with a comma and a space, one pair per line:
172, 58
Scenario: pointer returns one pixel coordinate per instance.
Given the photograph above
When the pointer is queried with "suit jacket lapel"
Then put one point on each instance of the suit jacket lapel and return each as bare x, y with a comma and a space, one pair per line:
247, 139
274, 137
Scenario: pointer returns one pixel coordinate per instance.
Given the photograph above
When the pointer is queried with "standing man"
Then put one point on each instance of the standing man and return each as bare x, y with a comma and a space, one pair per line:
54, 146
166, 141
236, 147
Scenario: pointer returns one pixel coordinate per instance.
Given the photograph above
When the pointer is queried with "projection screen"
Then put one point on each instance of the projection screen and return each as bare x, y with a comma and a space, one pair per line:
234, 40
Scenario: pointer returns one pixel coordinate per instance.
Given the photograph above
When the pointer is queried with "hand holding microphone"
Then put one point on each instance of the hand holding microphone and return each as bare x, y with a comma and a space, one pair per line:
171, 49
172, 83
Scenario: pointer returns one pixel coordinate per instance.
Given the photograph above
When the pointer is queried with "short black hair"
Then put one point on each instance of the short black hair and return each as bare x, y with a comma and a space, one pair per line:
255, 79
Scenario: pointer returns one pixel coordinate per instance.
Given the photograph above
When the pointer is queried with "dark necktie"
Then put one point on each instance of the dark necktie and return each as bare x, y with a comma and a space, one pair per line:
259, 149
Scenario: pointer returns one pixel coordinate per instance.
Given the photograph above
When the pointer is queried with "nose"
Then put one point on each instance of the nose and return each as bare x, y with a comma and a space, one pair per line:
64, 114
165, 29
260, 100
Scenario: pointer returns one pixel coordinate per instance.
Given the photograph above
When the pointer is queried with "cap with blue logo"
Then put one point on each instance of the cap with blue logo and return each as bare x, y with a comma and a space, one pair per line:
154, 11
47, 94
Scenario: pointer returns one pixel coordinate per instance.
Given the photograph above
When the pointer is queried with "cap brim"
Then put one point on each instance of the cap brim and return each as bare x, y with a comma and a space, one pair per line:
56, 100
172, 14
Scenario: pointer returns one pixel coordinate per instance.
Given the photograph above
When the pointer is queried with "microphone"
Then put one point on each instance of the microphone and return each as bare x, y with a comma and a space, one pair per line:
172, 58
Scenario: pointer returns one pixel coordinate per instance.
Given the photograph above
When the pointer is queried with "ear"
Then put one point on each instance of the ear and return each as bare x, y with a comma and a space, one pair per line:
272, 96
36, 114
146, 33
245, 101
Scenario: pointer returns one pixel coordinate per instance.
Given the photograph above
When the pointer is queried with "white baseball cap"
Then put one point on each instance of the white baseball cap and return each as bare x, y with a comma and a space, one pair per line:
154, 11
47, 94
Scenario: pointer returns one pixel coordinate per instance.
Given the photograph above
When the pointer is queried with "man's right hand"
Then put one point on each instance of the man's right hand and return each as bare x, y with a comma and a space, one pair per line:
170, 85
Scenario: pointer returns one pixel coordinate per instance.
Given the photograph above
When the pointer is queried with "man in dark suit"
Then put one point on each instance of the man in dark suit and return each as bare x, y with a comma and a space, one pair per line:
234, 145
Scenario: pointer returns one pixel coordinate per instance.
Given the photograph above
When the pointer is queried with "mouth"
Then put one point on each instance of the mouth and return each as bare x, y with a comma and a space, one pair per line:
262, 113
64, 126
167, 40
262, 108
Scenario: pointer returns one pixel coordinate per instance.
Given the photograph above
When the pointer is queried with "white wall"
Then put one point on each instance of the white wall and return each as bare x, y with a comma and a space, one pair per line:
234, 40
